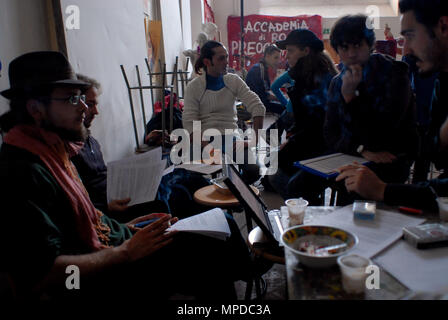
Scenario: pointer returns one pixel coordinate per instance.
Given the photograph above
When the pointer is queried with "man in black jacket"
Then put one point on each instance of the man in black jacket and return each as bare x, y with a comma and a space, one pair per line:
425, 28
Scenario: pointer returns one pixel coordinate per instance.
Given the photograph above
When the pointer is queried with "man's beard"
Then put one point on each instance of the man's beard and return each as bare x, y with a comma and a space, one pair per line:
68, 135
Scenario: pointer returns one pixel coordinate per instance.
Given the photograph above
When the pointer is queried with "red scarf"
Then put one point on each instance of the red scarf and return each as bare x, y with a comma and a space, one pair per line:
54, 153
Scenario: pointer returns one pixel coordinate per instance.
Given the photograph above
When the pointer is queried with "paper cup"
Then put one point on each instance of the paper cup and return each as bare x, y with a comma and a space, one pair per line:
443, 208
353, 270
296, 210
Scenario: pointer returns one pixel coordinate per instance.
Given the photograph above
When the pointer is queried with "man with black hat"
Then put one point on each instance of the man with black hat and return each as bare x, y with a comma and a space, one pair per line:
311, 72
50, 223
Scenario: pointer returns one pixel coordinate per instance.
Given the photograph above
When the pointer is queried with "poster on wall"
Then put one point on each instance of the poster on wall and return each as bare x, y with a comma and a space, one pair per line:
209, 16
261, 31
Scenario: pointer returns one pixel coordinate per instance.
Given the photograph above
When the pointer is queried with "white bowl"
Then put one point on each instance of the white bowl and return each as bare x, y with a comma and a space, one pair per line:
305, 242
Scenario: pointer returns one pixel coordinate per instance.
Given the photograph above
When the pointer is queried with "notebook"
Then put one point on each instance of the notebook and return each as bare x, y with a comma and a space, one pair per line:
326, 166
269, 222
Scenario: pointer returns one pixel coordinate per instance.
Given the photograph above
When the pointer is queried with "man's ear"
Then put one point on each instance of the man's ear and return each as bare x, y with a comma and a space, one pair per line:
207, 62
36, 110
307, 50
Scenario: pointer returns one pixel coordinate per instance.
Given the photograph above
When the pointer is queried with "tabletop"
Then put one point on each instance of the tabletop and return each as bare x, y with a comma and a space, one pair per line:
210, 196
305, 283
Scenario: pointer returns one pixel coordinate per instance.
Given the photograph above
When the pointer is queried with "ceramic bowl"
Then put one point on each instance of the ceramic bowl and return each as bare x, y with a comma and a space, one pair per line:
318, 246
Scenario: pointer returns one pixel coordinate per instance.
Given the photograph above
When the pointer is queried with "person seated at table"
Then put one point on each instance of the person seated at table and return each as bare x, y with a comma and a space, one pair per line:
311, 70
92, 169
51, 226
259, 81
211, 98
424, 26
370, 110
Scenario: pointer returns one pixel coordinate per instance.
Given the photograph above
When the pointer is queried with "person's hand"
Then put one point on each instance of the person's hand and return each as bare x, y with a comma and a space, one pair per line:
362, 180
379, 157
131, 224
154, 138
350, 81
119, 205
149, 239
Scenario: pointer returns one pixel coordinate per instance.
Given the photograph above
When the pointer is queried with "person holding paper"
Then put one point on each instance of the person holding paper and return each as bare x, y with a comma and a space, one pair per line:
424, 25
53, 226
92, 169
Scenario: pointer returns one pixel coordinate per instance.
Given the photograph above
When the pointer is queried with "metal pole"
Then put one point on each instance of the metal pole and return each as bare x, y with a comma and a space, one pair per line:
242, 39
141, 100
150, 84
132, 106
163, 106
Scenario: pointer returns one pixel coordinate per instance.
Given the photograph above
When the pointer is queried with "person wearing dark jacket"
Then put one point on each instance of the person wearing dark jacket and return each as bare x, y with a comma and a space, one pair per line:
425, 28
312, 70
259, 82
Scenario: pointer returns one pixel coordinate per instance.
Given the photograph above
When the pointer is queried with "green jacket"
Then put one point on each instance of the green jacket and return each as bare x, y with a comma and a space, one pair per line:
37, 222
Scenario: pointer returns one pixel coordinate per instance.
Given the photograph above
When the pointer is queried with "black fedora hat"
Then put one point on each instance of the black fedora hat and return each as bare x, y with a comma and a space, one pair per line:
302, 38
39, 69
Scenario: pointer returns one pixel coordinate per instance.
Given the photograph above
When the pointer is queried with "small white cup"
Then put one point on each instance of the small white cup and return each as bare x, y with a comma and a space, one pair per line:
353, 270
296, 210
443, 208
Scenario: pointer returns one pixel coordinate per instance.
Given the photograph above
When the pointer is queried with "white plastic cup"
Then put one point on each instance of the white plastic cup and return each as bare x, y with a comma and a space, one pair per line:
443, 208
296, 210
353, 270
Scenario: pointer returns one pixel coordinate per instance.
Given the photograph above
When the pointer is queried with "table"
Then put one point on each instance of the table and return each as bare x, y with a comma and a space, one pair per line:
209, 196
305, 283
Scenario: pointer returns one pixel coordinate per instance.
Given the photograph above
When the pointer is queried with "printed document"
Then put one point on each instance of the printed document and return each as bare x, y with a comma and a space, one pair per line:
327, 165
211, 223
136, 177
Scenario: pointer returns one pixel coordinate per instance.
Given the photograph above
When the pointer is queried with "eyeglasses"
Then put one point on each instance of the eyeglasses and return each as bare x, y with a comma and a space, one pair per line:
74, 99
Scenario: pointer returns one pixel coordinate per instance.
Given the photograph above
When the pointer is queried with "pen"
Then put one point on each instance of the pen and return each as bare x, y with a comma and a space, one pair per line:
145, 223
410, 210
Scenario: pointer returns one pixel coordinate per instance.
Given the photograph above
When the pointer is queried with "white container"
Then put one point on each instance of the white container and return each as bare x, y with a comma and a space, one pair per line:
443, 208
296, 210
353, 270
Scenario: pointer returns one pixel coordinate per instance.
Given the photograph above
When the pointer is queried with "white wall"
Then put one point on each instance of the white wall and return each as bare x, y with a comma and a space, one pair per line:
223, 9
112, 33
197, 18
172, 32
23, 29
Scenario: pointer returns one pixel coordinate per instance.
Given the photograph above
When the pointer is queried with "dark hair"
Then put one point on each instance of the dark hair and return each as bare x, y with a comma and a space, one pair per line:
271, 49
18, 113
311, 67
92, 82
427, 12
206, 53
351, 29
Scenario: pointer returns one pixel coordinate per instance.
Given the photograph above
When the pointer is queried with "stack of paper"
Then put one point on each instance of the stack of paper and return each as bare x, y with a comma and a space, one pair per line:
137, 177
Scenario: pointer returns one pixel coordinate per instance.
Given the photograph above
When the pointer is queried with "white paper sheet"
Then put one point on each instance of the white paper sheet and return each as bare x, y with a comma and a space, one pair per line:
137, 177
330, 163
375, 235
419, 270
138, 182
212, 223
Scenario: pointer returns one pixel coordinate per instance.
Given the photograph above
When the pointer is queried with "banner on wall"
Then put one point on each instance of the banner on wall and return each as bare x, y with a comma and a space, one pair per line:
261, 31
209, 16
